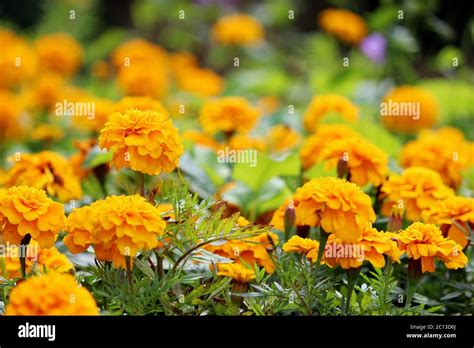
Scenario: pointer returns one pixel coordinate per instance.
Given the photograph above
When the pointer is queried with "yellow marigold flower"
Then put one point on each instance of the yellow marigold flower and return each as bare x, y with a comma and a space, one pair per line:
417, 187
117, 226
45, 91
202, 82
137, 52
59, 52
282, 138
26, 210
306, 246
45, 170
236, 271
237, 29
371, 246
200, 138
227, 114
425, 242
145, 141
316, 142
51, 294
445, 151
140, 103
103, 108
347, 26
37, 260
323, 104
244, 142
366, 162
180, 61
421, 113
18, 61
456, 213
338, 206
47, 133
10, 116
249, 250
101, 70
144, 79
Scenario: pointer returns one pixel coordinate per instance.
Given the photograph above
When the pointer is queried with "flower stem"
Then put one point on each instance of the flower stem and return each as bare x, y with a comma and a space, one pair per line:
323, 238
128, 264
414, 277
23, 245
141, 184
352, 274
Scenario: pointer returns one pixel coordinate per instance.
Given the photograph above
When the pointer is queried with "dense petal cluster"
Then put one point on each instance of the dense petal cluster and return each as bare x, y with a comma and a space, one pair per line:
140, 103
282, 138
321, 105
345, 25
116, 226
237, 29
417, 188
44, 170
238, 272
51, 294
145, 141
426, 242
227, 114
202, 82
338, 206
25, 210
305, 246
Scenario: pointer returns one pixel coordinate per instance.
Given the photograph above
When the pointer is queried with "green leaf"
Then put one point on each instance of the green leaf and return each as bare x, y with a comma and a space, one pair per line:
96, 157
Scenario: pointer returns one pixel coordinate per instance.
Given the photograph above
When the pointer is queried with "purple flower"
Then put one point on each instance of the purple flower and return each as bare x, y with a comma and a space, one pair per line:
374, 47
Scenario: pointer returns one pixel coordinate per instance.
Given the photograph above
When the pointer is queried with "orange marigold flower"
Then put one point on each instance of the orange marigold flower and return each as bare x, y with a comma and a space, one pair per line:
323, 104
444, 150
77, 160
45, 91
140, 103
51, 294
202, 82
47, 133
227, 114
338, 206
282, 138
241, 141
200, 138
145, 141
238, 29
425, 242
59, 52
44, 170
323, 135
347, 26
306, 246
371, 246
421, 113
101, 70
180, 61
137, 52
366, 162
37, 260
236, 271
456, 213
117, 226
144, 79
103, 108
11, 119
25, 210
417, 187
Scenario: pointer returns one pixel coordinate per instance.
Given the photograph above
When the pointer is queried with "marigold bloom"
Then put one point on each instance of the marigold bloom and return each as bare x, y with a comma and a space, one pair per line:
145, 141
103, 108
338, 206
51, 294
322, 104
140, 103
425, 242
417, 187
282, 138
202, 82
47, 133
324, 134
77, 159
44, 170
444, 150
249, 250
407, 120
456, 213
236, 271
138, 52
244, 142
347, 26
18, 61
144, 79
25, 210
238, 29
37, 260
45, 91
366, 162
227, 114
59, 52
306, 246
10, 116
117, 226
101, 70
200, 138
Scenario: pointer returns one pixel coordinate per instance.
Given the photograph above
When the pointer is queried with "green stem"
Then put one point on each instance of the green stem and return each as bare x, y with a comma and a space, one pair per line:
352, 274
23, 246
141, 184
387, 275
128, 264
323, 238
414, 277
